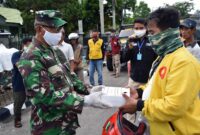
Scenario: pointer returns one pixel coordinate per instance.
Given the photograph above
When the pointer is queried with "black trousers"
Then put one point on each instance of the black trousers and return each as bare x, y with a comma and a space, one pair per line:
19, 99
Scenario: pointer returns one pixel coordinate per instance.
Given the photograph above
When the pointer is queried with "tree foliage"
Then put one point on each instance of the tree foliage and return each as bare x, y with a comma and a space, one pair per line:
184, 8
70, 9
91, 13
141, 11
91, 16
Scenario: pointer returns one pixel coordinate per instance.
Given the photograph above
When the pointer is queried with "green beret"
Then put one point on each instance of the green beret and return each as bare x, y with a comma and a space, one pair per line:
49, 18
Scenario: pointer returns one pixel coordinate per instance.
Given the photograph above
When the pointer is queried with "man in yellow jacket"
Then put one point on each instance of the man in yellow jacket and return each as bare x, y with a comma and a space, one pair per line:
95, 55
170, 103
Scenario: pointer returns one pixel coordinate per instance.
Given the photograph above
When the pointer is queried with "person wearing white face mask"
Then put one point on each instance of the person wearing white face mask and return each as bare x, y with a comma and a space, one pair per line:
141, 56
55, 99
52, 38
170, 102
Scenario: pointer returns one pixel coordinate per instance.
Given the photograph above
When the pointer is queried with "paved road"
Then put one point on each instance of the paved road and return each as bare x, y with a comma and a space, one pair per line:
91, 119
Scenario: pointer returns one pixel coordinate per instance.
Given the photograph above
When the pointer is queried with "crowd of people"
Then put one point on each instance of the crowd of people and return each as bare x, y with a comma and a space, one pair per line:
165, 71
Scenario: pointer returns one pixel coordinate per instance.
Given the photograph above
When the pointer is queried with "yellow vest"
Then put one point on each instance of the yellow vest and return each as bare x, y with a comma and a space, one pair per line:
95, 51
174, 99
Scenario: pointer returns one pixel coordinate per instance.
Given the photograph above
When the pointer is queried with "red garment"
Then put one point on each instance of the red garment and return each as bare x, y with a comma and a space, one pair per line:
115, 45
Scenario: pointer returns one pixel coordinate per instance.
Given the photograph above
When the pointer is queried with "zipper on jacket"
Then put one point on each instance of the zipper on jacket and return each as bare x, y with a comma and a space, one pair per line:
171, 125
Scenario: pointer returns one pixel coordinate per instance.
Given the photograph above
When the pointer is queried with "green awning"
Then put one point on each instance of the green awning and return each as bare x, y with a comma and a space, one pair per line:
11, 15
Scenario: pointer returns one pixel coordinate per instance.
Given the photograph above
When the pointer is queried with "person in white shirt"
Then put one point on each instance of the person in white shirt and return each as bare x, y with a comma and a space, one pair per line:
67, 51
187, 30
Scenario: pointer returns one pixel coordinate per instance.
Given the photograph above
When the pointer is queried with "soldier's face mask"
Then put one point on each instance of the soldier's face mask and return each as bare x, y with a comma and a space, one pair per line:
52, 39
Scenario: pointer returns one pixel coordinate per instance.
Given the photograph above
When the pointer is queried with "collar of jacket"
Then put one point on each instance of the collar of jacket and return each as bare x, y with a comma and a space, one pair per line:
191, 44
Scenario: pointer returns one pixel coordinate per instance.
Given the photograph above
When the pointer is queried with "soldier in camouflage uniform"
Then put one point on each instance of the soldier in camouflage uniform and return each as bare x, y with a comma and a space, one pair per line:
52, 90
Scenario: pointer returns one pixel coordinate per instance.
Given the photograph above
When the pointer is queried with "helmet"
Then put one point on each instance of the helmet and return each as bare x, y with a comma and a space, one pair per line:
118, 125
73, 36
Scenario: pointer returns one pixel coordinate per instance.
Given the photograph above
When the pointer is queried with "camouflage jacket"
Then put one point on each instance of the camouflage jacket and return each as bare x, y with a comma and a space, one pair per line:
54, 103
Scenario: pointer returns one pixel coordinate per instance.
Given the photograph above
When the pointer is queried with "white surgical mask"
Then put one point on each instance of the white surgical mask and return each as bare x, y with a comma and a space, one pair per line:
52, 39
140, 33
25, 48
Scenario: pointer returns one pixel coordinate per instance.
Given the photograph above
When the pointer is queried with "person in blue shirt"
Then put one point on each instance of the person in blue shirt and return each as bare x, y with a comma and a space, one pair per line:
19, 94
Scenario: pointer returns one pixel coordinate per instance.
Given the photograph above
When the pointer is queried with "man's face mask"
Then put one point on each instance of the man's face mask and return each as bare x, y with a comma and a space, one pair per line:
52, 39
166, 41
140, 33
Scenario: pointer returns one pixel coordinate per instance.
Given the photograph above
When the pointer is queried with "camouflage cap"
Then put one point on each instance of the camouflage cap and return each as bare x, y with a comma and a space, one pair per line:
50, 18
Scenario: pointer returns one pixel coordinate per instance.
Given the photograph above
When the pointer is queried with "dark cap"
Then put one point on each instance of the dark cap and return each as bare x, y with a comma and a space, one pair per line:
188, 23
50, 18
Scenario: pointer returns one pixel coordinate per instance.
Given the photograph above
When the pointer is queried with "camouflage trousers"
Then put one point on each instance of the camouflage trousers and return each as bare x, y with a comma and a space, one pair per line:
116, 63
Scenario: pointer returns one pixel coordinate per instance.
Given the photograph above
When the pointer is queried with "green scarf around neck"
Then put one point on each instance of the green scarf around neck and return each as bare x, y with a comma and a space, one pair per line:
166, 42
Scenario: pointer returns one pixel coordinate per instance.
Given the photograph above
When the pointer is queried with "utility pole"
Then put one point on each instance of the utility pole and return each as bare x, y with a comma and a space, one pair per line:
101, 10
113, 14
123, 12
80, 25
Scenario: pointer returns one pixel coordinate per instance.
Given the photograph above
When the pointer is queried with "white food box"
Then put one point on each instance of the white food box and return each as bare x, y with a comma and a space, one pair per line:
113, 95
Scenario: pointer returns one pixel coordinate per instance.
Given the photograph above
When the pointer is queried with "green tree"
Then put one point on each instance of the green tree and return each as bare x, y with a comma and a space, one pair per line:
72, 12
141, 11
91, 16
70, 9
183, 7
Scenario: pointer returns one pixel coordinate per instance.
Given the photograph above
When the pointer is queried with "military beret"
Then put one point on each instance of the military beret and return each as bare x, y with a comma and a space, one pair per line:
50, 18
188, 23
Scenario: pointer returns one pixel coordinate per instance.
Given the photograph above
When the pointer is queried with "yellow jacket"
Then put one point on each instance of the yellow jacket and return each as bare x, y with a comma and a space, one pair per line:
174, 98
95, 49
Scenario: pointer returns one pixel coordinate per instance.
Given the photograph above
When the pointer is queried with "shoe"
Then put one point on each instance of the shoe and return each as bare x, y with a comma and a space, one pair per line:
18, 124
117, 75
90, 86
114, 74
